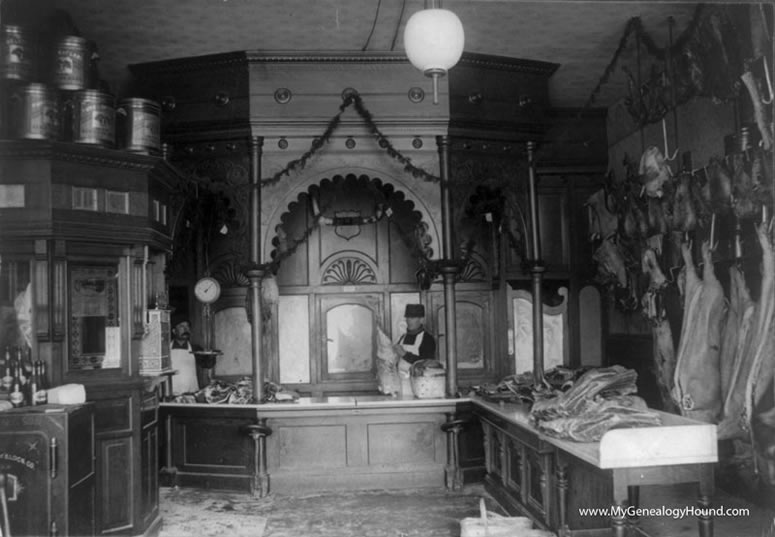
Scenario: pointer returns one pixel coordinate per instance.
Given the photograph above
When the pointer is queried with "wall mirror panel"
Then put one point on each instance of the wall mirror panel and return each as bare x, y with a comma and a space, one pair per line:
95, 323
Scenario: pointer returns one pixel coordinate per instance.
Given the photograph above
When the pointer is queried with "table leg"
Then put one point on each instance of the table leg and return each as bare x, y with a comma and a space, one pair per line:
704, 501
562, 491
619, 518
633, 499
263, 474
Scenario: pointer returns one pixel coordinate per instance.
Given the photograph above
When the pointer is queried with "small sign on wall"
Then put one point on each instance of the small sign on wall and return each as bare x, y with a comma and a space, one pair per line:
112, 347
11, 196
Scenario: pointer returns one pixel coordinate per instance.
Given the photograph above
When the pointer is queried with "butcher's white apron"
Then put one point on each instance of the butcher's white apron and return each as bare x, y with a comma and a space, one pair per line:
184, 362
404, 367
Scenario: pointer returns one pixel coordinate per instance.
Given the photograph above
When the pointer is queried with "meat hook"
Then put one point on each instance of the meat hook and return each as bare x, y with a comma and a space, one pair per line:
711, 238
768, 78
764, 21
664, 138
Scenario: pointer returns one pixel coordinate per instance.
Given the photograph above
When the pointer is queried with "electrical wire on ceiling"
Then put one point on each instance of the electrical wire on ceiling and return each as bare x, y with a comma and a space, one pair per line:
398, 25
373, 26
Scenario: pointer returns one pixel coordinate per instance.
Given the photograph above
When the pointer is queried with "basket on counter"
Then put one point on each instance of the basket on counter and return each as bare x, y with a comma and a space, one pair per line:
428, 379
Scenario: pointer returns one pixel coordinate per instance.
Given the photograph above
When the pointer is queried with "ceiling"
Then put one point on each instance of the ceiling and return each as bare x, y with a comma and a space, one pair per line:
580, 36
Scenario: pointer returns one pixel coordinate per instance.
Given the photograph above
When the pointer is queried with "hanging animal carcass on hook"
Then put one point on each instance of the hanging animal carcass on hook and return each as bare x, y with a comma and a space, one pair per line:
609, 222
602, 222
759, 410
662, 335
654, 172
697, 381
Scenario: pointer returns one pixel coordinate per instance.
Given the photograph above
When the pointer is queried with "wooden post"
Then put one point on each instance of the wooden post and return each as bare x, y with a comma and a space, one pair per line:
537, 271
255, 274
449, 269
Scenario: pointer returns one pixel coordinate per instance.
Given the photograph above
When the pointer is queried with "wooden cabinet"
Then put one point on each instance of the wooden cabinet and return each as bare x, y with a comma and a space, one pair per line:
47, 461
127, 444
520, 465
149, 460
86, 234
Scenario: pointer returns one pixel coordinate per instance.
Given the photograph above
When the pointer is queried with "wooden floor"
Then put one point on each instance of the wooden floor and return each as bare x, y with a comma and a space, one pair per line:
414, 513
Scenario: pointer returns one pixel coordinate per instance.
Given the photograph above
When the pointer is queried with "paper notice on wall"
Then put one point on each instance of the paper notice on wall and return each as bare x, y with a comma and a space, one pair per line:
112, 347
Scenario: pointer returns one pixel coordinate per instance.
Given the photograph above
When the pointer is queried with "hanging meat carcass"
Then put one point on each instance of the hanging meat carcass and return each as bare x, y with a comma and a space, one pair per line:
610, 263
654, 172
602, 221
662, 335
657, 218
718, 46
744, 195
759, 389
719, 187
697, 382
759, 113
735, 363
684, 213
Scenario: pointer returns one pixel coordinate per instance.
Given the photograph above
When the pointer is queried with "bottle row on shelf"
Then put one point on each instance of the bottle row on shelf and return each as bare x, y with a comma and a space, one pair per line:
25, 381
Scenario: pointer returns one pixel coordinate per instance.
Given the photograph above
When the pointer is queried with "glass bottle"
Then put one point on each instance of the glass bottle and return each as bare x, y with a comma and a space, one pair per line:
41, 394
7, 379
32, 387
17, 396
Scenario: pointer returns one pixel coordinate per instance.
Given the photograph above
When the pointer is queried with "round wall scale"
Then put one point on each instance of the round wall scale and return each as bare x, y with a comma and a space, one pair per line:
207, 290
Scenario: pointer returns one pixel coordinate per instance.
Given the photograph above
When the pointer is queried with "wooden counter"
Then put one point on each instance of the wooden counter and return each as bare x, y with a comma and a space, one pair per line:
551, 479
315, 444
373, 442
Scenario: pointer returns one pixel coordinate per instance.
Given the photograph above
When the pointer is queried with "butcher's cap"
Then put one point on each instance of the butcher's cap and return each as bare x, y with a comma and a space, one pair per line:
179, 317
414, 310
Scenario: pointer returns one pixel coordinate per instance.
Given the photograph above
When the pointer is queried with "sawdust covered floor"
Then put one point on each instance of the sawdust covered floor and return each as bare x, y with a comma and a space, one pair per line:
427, 512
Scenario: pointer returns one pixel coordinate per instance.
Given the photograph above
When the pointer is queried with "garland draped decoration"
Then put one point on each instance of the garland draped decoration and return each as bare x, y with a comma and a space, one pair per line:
354, 100
635, 26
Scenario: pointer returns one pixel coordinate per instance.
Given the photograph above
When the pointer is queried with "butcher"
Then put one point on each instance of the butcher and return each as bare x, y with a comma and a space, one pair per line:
182, 357
416, 343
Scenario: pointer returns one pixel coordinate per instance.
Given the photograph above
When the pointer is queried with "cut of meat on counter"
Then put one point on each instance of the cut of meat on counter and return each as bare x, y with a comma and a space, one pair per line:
602, 399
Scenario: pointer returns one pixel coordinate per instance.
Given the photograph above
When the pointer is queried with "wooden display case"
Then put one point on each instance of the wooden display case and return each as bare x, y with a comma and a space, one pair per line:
82, 268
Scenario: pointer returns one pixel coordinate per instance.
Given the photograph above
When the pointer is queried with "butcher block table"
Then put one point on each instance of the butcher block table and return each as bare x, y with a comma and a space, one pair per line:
551, 479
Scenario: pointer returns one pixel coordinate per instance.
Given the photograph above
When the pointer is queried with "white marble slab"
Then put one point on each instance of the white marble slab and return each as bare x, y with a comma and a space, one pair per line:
678, 440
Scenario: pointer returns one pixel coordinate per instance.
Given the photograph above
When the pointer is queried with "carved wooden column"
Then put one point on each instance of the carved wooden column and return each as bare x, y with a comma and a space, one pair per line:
537, 271
448, 268
256, 273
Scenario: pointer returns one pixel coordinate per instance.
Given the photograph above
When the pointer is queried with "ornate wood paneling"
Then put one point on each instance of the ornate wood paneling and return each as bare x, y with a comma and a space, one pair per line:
349, 271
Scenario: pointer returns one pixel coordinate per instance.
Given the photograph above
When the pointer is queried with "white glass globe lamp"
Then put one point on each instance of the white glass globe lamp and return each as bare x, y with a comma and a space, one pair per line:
433, 40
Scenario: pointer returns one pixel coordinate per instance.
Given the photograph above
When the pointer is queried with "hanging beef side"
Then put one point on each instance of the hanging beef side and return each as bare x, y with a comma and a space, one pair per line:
734, 363
662, 335
759, 390
697, 382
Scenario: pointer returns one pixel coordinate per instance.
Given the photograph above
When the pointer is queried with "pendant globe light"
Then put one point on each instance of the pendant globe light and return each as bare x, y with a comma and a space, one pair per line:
433, 40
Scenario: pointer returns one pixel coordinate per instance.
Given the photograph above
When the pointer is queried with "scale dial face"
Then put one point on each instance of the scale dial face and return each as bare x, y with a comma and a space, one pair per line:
207, 290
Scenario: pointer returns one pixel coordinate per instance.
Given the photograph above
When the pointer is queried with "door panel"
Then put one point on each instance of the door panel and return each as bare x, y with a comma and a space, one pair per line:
348, 336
